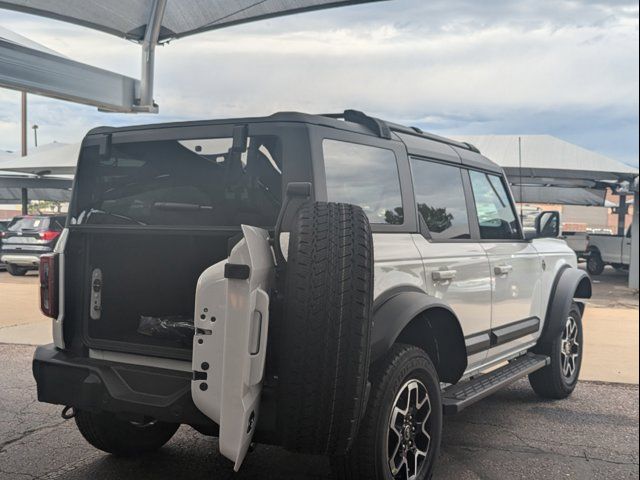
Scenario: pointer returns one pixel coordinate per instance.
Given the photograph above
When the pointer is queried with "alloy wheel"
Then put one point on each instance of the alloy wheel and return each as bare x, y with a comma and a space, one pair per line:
569, 348
408, 437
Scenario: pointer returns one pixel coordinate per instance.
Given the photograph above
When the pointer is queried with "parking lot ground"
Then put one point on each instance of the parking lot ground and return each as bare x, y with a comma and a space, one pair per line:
511, 435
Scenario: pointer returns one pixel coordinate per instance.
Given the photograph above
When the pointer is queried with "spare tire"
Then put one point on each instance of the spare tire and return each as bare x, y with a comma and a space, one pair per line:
324, 341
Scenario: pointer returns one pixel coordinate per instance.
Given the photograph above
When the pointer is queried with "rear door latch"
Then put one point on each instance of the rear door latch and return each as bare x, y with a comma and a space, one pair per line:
95, 310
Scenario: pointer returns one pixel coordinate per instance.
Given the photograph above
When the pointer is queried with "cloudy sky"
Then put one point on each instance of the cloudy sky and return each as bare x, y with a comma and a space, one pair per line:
564, 67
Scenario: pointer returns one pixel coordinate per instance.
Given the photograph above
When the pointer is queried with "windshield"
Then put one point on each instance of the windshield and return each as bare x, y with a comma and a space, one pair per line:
181, 182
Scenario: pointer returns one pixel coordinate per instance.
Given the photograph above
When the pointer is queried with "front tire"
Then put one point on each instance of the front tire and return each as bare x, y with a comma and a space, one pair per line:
119, 437
558, 379
16, 271
400, 434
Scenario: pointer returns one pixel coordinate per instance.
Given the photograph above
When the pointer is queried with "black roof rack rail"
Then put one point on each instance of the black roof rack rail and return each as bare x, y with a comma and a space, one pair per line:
383, 129
472, 147
394, 127
377, 126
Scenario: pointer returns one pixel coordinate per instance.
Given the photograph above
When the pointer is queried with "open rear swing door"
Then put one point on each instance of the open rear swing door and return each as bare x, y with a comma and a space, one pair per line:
230, 342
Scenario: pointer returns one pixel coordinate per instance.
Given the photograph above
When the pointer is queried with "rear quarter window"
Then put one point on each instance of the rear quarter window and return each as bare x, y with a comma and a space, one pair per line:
365, 176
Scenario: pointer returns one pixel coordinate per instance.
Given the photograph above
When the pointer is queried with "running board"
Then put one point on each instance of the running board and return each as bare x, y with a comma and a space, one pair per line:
460, 396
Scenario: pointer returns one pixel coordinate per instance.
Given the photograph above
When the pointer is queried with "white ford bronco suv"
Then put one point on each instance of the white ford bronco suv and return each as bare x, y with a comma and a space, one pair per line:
333, 284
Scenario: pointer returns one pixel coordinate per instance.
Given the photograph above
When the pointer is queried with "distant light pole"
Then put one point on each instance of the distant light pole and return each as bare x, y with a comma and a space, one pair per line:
35, 134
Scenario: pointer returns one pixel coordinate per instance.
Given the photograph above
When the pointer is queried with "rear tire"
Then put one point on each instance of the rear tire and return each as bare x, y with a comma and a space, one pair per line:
324, 335
558, 379
595, 265
372, 455
16, 271
119, 437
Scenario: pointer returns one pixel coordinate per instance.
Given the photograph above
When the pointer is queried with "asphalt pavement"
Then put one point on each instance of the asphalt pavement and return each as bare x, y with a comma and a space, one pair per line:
511, 435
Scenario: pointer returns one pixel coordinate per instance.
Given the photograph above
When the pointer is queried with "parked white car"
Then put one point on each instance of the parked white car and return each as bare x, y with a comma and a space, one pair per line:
602, 250
407, 289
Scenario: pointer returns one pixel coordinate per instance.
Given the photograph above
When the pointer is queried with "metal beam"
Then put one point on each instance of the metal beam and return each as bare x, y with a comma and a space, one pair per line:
35, 71
17, 181
152, 33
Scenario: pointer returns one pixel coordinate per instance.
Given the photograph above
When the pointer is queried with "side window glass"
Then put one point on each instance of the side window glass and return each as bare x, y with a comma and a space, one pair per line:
365, 176
440, 199
496, 216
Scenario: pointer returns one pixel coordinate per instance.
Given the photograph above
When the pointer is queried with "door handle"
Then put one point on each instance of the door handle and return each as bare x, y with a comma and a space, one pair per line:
443, 275
503, 269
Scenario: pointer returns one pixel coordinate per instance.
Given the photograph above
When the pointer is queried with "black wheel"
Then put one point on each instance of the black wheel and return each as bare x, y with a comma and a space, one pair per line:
595, 265
558, 379
400, 434
113, 435
16, 271
324, 336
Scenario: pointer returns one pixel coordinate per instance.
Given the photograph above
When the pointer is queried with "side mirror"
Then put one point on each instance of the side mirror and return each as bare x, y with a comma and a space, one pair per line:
548, 224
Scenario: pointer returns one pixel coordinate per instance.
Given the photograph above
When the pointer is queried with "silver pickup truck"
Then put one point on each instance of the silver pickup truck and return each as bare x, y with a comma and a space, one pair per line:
602, 250
333, 284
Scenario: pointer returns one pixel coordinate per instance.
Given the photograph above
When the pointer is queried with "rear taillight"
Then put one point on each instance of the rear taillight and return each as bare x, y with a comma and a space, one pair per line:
49, 235
49, 285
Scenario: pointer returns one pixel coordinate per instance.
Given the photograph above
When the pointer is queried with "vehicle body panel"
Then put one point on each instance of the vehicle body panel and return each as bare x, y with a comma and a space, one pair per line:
468, 292
577, 241
516, 292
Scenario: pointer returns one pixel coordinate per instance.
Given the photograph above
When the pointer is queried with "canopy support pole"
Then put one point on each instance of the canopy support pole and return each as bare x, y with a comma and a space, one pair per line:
622, 215
23, 123
634, 254
151, 35
24, 193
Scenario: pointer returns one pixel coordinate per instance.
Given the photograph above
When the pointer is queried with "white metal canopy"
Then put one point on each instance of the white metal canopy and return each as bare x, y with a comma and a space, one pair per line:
546, 169
50, 159
149, 22
130, 18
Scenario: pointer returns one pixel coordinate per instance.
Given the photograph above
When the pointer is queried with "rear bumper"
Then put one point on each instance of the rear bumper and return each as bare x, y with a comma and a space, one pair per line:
21, 260
128, 390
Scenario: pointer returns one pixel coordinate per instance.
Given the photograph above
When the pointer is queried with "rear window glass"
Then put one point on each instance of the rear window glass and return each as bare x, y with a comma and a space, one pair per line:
198, 182
36, 224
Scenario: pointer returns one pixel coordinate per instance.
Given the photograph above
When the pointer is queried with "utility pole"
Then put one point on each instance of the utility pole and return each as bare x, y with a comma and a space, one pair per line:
35, 134
23, 133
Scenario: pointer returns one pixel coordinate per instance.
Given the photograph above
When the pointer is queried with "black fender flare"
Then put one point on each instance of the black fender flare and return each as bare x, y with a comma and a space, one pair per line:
570, 283
394, 310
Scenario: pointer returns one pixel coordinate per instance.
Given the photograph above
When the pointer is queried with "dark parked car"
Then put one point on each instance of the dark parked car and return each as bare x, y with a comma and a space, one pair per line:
27, 238
4, 225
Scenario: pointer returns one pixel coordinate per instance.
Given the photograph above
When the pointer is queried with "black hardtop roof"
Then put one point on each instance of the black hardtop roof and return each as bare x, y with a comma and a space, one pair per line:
420, 142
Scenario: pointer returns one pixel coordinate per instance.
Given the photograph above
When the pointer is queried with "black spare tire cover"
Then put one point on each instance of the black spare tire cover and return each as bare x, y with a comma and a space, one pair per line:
323, 353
